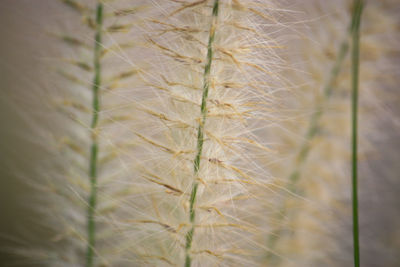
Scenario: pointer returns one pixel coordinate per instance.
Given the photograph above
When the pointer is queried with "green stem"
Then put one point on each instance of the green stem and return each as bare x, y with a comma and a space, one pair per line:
200, 133
91, 225
356, 20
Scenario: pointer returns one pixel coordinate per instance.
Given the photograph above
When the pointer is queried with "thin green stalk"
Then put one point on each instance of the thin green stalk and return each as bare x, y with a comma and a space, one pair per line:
355, 55
91, 225
200, 132
310, 134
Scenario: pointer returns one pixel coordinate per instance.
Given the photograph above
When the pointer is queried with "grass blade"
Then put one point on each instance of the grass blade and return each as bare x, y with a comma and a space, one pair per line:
355, 54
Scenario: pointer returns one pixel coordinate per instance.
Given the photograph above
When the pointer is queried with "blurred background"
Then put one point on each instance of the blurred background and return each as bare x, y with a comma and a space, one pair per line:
25, 48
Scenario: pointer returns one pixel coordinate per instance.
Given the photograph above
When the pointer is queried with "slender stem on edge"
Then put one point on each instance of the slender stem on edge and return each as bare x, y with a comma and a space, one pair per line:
91, 225
200, 132
358, 6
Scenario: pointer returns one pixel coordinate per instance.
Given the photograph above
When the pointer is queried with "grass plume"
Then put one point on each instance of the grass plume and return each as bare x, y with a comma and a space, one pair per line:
210, 84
